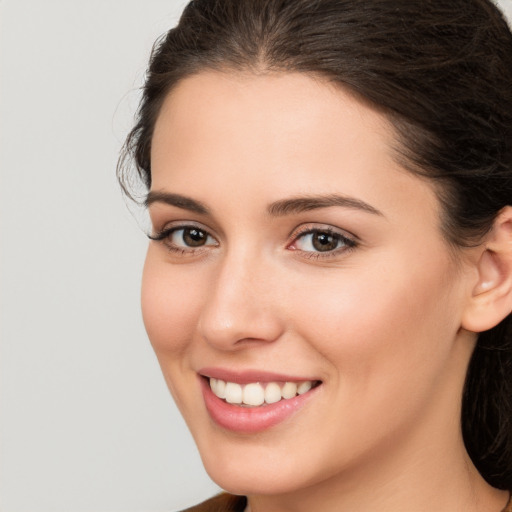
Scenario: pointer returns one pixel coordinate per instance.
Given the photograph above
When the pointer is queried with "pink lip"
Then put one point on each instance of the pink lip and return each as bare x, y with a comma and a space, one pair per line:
249, 376
250, 420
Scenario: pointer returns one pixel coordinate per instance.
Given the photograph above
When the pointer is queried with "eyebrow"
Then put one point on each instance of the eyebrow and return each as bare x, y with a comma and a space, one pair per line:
306, 203
279, 208
186, 203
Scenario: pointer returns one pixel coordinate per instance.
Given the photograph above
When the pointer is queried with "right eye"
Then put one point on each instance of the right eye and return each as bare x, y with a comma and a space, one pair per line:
190, 237
185, 238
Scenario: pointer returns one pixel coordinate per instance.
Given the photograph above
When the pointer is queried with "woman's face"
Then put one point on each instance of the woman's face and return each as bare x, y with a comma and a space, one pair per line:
294, 249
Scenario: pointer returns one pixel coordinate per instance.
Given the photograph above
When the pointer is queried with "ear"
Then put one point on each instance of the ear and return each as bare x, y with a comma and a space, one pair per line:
491, 297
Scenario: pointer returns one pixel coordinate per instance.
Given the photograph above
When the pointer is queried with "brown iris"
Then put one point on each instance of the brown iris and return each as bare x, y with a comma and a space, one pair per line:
323, 241
194, 237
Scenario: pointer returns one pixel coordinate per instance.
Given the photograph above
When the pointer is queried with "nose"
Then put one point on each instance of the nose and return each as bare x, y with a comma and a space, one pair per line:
240, 306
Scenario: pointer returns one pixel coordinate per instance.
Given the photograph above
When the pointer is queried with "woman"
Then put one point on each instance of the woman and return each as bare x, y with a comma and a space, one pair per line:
328, 284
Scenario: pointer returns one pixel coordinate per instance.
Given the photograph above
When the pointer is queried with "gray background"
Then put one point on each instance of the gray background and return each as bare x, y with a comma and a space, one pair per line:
86, 422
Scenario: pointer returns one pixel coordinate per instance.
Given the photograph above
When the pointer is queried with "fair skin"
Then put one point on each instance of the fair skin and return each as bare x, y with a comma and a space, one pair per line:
362, 297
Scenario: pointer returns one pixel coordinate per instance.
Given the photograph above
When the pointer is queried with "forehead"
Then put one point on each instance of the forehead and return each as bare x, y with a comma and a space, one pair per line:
275, 108
242, 132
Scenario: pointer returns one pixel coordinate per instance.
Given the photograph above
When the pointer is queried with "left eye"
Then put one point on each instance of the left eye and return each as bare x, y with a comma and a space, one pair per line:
321, 241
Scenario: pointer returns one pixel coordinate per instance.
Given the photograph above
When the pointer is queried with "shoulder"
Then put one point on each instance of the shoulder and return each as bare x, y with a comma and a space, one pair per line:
221, 503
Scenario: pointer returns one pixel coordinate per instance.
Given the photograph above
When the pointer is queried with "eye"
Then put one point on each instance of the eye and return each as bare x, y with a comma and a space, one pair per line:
190, 237
185, 238
321, 241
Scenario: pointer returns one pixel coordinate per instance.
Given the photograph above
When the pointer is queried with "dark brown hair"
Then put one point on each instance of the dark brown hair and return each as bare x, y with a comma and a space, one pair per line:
440, 70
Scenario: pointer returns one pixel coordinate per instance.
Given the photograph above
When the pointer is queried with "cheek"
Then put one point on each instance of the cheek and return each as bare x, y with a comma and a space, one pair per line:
169, 303
376, 323
387, 339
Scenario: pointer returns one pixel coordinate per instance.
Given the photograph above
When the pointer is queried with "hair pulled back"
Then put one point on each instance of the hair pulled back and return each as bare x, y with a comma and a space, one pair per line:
441, 72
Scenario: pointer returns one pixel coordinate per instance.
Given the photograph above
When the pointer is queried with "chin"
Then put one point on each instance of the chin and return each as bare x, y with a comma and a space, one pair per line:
244, 479
254, 466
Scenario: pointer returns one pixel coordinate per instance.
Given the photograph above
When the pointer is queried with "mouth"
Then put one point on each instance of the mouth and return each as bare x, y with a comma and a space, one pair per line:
250, 402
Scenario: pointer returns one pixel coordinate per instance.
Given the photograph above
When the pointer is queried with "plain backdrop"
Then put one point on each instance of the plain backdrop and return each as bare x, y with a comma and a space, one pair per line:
86, 422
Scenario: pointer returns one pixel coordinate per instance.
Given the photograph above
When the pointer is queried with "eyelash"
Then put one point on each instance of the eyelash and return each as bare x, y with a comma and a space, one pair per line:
348, 243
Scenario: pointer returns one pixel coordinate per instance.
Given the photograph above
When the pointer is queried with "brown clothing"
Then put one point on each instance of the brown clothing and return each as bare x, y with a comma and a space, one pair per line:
229, 503
222, 503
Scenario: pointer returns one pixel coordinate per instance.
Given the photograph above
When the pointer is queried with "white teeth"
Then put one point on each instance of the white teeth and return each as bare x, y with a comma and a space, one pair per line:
255, 394
272, 393
289, 390
233, 393
218, 387
304, 387
221, 389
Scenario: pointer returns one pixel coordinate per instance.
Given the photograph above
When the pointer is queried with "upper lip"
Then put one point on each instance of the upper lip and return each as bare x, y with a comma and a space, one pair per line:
250, 375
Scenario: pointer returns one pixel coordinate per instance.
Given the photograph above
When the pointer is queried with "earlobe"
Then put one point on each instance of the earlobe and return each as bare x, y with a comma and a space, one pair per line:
491, 297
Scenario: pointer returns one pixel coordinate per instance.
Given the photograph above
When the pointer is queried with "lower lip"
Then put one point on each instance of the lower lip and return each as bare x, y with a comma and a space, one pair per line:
250, 420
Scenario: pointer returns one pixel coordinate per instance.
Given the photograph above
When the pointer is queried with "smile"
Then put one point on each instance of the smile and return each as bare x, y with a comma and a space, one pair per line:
255, 394
254, 401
